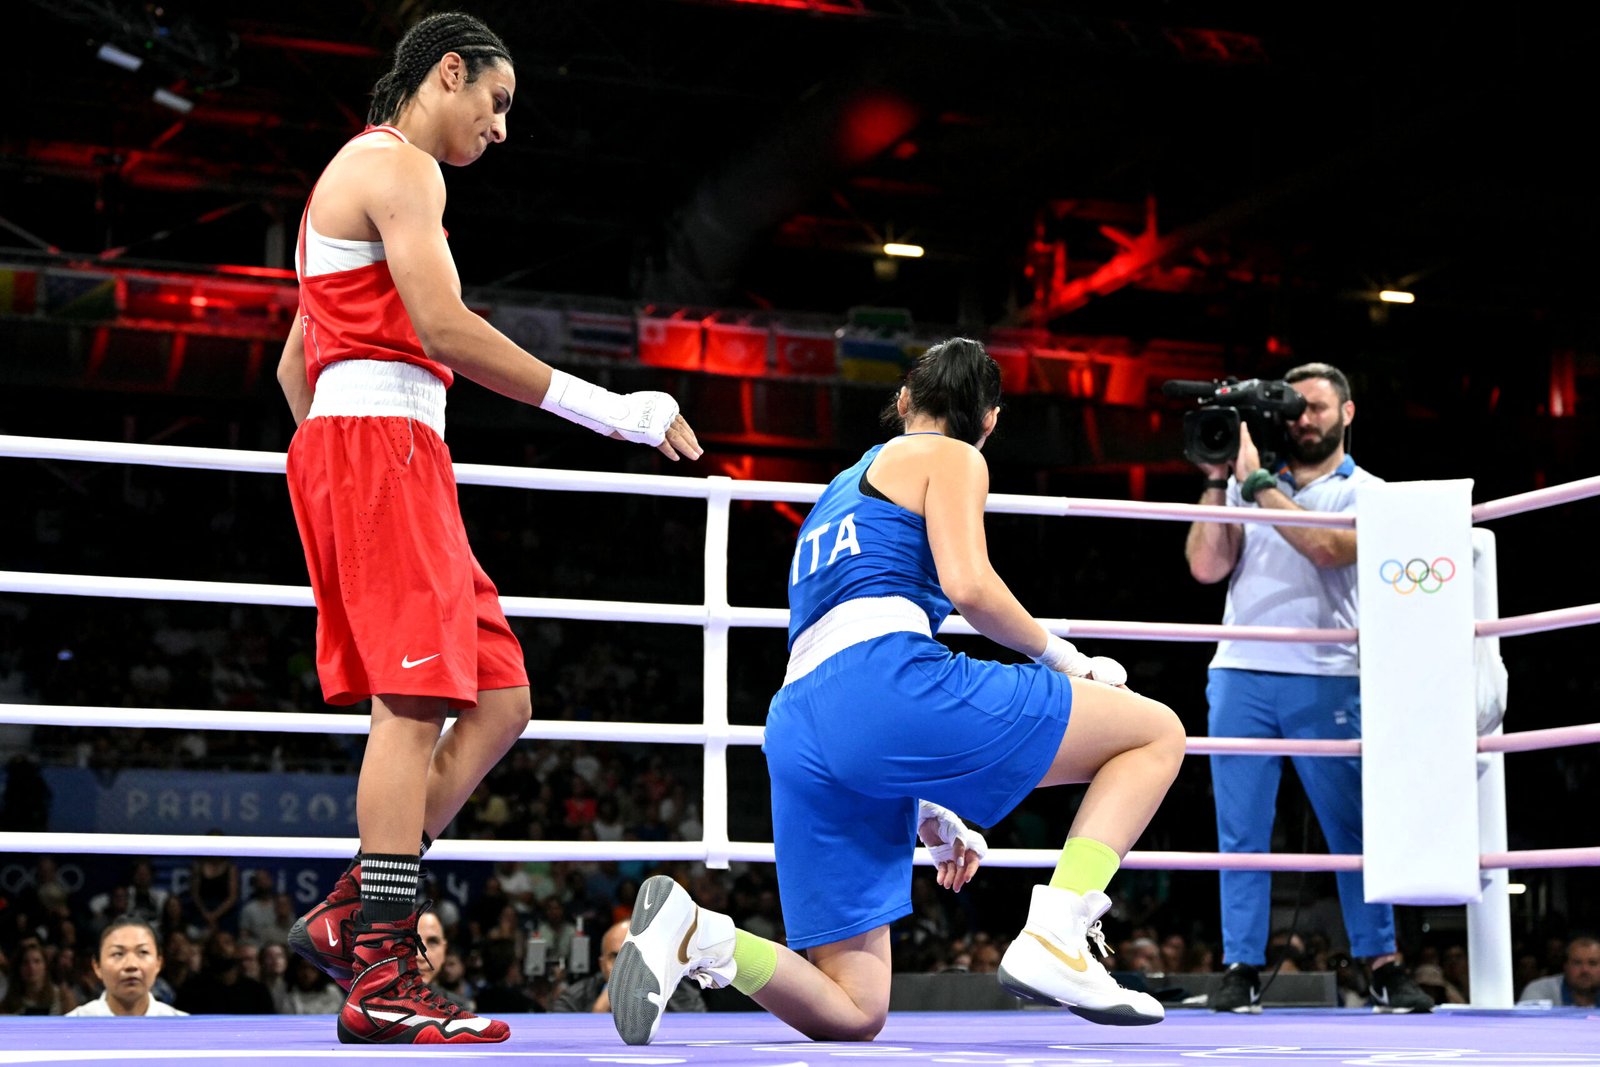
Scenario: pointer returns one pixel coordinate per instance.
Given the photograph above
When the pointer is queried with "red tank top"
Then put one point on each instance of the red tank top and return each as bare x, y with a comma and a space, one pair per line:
356, 313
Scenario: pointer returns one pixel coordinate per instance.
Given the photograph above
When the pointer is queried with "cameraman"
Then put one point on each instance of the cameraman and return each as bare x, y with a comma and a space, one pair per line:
1296, 576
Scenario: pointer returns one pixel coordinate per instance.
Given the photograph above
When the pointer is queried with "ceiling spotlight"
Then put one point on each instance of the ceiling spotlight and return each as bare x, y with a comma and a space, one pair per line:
1395, 296
118, 58
172, 100
908, 251
1516, 887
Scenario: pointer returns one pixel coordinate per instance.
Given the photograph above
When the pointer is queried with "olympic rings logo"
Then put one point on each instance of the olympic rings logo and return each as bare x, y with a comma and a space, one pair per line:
1406, 578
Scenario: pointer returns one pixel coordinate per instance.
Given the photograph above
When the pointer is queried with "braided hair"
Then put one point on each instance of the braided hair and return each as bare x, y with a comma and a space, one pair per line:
421, 49
957, 381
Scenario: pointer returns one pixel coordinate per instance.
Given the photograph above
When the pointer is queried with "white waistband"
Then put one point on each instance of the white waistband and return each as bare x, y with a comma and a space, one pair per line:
851, 623
380, 387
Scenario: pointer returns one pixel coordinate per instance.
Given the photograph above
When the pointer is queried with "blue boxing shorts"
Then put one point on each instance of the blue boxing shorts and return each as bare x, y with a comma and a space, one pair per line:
853, 745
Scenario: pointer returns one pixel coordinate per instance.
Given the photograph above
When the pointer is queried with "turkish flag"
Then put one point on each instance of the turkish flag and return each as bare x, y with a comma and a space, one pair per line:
669, 342
736, 349
805, 352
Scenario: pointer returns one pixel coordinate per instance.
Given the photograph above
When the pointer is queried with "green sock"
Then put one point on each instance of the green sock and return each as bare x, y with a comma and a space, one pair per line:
1085, 864
755, 959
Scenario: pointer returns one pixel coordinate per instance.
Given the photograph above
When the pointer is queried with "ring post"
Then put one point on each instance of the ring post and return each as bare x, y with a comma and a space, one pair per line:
1489, 920
1419, 733
714, 805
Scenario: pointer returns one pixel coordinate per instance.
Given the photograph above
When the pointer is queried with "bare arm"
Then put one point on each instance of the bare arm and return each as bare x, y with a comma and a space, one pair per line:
1323, 547
957, 488
1212, 548
405, 202
292, 373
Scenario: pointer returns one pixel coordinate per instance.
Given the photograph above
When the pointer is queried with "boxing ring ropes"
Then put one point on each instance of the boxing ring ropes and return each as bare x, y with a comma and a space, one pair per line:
1488, 921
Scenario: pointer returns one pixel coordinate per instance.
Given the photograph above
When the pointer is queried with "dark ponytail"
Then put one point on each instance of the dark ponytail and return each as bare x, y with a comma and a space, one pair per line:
420, 50
957, 381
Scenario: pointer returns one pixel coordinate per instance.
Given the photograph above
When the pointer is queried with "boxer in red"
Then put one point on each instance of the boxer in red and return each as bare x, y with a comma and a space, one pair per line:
405, 615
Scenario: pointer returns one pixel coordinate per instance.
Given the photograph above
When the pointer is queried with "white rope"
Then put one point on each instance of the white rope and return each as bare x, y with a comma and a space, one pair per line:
1538, 498
188, 845
529, 607
647, 484
306, 722
192, 845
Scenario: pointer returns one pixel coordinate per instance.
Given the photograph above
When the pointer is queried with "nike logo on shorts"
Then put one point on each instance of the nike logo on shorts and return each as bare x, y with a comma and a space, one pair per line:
333, 941
406, 662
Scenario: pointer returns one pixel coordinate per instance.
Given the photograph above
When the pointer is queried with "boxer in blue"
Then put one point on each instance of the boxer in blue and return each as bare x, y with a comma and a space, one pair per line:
880, 735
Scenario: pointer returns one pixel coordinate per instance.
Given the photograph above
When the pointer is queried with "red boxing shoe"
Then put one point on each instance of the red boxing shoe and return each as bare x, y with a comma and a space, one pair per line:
325, 935
390, 1004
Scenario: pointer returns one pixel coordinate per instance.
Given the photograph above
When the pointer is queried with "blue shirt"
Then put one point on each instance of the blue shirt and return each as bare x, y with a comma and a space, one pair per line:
852, 546
1274, 585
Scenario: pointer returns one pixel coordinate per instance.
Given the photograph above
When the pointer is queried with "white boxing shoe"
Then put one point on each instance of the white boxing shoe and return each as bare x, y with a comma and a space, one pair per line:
1049, 961
669, 938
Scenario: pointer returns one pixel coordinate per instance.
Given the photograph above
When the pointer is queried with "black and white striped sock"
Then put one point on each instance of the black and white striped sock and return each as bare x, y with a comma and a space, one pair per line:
388, 886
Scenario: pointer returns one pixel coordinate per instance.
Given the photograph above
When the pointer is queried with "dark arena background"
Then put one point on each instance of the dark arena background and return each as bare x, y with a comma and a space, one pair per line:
696, 196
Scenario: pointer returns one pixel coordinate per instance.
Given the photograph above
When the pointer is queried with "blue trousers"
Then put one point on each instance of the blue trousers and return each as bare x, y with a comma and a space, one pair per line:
1296, 706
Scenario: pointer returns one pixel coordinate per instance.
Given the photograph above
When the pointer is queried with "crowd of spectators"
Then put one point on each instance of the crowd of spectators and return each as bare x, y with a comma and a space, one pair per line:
540, 937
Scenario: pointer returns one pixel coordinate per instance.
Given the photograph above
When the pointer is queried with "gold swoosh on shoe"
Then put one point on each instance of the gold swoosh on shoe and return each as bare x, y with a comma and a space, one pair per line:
683, 949
1075, 962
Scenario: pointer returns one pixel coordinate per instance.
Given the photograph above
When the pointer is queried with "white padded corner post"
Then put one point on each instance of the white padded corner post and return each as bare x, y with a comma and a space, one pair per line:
1418, 712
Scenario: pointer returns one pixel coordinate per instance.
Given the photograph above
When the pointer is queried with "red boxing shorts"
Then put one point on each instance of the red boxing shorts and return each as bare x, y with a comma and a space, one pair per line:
402, 606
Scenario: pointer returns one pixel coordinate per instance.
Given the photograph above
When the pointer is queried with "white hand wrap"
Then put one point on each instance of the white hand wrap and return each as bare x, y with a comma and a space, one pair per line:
951, 830
1060, 655
642, 417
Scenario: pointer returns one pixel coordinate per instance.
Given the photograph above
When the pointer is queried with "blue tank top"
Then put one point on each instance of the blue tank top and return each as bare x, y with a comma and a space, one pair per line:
852, 546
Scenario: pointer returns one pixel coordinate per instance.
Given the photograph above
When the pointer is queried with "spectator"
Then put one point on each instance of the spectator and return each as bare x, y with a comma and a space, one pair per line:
274, 974
984, 956
1286, 952
508, 931
145, 900
174, 920
256, 916
555, 929
1432, 980
248, 952
589, 994
50, 891
127, 965
106, 908
214, 892
1141, 954
1576, 985
32, 992
221, 988
182, 964
1200, 958
309, 992
607, 824
484, 914
1457, 970
76, 972
275, 931
445, 908
435, 953
1173, 950
517, 884
503, 991
451, 980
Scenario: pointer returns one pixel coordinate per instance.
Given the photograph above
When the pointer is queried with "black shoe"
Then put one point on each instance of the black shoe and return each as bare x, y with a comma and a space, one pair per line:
1393, 991
1239, 991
